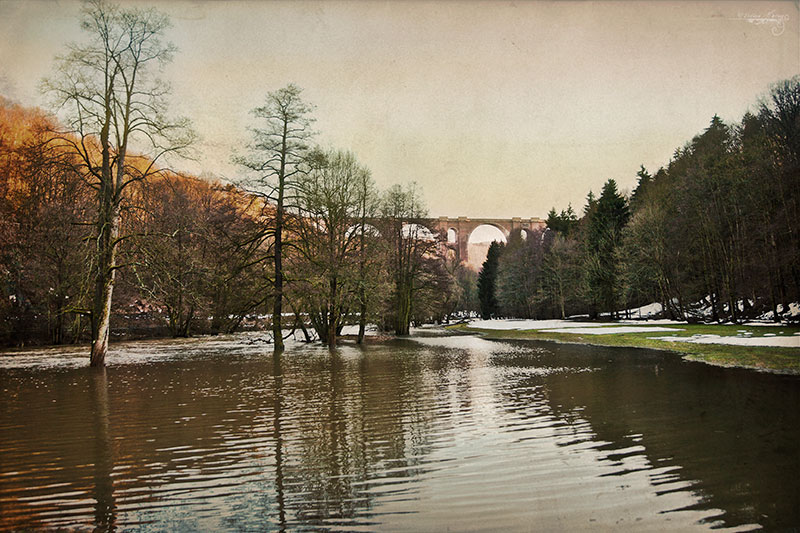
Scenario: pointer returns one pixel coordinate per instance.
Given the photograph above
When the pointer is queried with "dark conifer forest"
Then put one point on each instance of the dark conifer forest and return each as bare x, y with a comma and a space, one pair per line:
711, 235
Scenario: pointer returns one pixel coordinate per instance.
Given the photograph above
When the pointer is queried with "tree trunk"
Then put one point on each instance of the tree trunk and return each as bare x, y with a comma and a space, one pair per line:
331, 336
362, 318
333, 314
187, 324
362, 270
277, 308
302, 326
404, 310
104, 283
362, 290
103, 321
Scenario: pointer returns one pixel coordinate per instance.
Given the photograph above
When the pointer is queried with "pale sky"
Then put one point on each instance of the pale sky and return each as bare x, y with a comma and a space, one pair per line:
497, 109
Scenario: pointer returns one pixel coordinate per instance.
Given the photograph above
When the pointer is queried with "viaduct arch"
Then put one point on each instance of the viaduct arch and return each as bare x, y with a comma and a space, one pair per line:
464, 226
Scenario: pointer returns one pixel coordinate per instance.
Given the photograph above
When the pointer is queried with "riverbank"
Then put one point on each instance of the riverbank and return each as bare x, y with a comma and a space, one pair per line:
759, 347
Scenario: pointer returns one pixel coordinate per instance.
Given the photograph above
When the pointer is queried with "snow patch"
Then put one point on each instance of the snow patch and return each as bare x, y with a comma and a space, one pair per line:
745, 338
352, 329
645, 311
509, 324
792, 311
786, 342
612, 330
567, 326
702, 310
661, 321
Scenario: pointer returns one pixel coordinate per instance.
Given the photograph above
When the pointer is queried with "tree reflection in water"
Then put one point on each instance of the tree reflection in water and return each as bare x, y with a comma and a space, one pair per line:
103, 493
429, 433
277, 394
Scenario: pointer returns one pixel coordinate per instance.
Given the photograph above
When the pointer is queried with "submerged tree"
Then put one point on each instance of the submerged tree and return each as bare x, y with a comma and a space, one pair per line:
278, 154
409, 241
114, 103
169, 264
336, 199
370, 268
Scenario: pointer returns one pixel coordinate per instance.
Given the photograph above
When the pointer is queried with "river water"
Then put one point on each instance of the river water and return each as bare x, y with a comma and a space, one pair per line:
430, 433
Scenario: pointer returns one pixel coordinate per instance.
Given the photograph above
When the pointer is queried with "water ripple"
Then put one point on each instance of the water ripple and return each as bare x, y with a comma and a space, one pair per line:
433, 433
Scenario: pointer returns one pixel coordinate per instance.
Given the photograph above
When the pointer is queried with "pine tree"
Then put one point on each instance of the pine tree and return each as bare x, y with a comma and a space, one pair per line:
606, 221
487, 280
641, 188
564, 222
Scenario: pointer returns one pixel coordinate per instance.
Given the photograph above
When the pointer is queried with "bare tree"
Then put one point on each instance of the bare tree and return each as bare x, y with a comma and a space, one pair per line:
277, 156
115, 103
369, 256
42, 248
402, 219
169, 264
335, 199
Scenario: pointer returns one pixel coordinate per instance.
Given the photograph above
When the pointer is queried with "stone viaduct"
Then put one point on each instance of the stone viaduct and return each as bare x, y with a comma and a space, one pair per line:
462, 228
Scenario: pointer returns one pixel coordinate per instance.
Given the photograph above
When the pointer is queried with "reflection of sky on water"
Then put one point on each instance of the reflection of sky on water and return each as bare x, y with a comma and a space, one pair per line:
429, 433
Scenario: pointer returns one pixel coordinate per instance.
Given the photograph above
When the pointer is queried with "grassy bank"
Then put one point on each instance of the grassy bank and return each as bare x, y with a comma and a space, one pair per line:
775, 359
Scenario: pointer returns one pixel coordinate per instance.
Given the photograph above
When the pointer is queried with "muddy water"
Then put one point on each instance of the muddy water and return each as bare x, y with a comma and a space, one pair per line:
428, 434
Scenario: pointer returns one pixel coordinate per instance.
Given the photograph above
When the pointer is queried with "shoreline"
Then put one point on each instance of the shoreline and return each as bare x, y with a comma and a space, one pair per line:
770, 359
774, 360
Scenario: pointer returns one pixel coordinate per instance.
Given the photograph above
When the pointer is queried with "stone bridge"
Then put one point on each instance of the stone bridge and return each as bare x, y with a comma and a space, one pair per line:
458, 230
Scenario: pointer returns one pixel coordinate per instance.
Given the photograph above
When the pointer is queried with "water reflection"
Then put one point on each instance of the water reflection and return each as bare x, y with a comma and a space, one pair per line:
422, 434
103, 492
730, 435
276, 424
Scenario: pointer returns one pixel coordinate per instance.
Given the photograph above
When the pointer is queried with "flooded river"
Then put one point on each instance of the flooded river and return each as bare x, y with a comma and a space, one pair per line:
426, 434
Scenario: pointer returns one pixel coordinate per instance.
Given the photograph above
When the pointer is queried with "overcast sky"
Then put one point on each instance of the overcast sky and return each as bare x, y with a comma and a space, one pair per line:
497, 109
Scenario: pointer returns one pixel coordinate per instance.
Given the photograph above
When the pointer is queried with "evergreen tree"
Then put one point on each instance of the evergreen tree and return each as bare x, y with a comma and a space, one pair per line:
553, 220
519, 275
644, 182
564, 222
780, 116
487, 280
591, 204
607, 218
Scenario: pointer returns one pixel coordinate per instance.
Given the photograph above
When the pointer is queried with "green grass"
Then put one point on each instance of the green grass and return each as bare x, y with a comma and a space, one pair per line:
775, 359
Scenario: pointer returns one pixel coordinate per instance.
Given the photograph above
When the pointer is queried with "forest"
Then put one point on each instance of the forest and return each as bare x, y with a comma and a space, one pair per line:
711, 236
198, 257
101, 238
